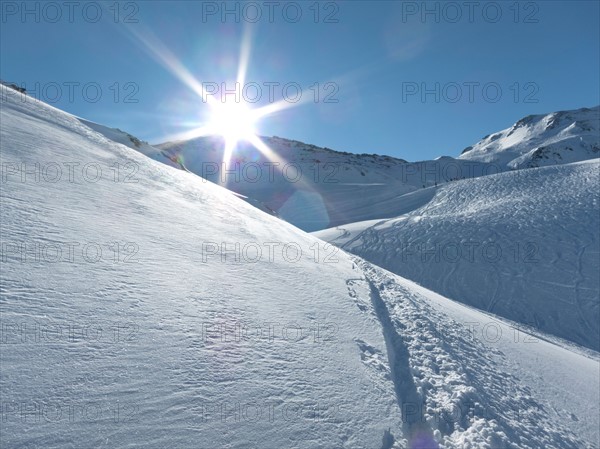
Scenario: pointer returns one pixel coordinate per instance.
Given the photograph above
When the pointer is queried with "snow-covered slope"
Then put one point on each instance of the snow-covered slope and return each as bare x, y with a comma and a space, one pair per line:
119, 308
541, 140
523, 245
477, 381
130, 318
315, 188
124, 138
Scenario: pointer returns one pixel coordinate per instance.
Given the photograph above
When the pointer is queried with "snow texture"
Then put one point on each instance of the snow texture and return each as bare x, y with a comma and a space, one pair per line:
130, 318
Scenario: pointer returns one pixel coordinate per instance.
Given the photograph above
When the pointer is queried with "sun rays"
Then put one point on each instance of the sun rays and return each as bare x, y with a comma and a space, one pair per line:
229, 116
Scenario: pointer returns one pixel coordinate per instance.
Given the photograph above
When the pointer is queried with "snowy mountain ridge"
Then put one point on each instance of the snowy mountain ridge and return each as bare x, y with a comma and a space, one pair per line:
541, 140
312, 187
315, 188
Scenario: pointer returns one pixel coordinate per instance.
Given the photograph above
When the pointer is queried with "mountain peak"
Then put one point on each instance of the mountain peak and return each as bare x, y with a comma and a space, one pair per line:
542, 140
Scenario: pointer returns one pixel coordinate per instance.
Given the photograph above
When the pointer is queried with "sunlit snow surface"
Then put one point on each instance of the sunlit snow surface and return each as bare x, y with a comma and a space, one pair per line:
139, 347
523, 245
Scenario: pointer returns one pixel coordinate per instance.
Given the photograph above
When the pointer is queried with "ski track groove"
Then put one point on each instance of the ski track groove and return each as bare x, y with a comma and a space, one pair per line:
427, 369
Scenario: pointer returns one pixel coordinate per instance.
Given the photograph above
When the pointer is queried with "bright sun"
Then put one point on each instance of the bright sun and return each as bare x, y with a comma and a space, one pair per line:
233, 121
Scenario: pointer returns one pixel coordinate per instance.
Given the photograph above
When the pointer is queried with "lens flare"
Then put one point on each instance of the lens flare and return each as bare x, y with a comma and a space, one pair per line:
233, 121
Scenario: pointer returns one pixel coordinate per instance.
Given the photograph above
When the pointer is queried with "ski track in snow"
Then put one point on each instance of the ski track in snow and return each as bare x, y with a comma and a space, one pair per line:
445, 388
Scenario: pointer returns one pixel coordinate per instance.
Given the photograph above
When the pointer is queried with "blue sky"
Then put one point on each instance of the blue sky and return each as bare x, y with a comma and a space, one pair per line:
408, 84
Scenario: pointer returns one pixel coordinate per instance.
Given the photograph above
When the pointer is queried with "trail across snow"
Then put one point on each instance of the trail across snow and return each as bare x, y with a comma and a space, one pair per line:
473, 380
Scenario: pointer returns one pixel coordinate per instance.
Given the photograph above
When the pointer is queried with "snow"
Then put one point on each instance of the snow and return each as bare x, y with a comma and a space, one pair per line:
145, 347
316, 188
160, 360
124, 138
542, 140
523, 245
480, 379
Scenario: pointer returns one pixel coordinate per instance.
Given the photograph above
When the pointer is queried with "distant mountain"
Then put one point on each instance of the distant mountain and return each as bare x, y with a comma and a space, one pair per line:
314, 187
541, 140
